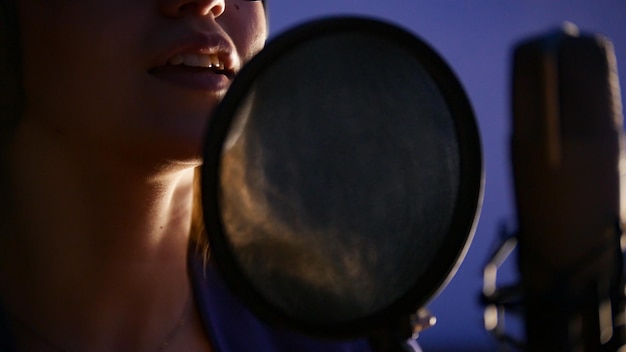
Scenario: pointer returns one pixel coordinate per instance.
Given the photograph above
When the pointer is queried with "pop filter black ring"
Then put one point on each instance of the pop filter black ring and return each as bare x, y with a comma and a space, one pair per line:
465, 212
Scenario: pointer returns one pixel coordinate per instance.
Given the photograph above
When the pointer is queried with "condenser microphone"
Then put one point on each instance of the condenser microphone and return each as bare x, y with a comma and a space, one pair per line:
568, 163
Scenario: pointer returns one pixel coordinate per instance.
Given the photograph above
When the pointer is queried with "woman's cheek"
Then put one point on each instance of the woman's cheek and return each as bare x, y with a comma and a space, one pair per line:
248, 30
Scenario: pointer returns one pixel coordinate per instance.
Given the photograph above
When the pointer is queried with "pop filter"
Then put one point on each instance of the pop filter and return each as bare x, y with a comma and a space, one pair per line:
342, 177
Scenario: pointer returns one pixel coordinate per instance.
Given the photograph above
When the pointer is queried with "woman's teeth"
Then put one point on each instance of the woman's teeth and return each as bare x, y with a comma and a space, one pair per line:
197, 60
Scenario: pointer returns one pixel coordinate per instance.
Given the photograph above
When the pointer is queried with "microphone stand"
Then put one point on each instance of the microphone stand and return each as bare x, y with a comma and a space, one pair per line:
577, 316
564, 318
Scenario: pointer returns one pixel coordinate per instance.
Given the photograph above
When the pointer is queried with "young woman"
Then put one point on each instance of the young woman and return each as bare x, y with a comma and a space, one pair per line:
104, 107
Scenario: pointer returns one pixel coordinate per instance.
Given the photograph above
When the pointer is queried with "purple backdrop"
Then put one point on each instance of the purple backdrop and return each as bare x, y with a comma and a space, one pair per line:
476, 38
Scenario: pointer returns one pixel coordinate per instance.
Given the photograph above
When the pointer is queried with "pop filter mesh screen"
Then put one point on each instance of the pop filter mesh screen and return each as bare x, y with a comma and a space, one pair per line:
339, 177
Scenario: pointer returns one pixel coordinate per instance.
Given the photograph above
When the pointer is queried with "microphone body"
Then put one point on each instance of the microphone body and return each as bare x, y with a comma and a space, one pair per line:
568, 164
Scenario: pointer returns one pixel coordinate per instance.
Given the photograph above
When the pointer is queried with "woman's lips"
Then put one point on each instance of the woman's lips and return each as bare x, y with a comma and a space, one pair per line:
194, 78
204, 62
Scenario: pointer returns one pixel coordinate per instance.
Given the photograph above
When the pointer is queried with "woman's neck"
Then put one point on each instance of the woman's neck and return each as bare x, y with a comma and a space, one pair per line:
97, 250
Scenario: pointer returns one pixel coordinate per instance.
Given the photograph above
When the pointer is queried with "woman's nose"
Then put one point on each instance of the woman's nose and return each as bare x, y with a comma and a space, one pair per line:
181, 8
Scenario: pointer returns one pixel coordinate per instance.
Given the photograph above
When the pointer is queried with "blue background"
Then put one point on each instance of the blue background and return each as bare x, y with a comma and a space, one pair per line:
476, 38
